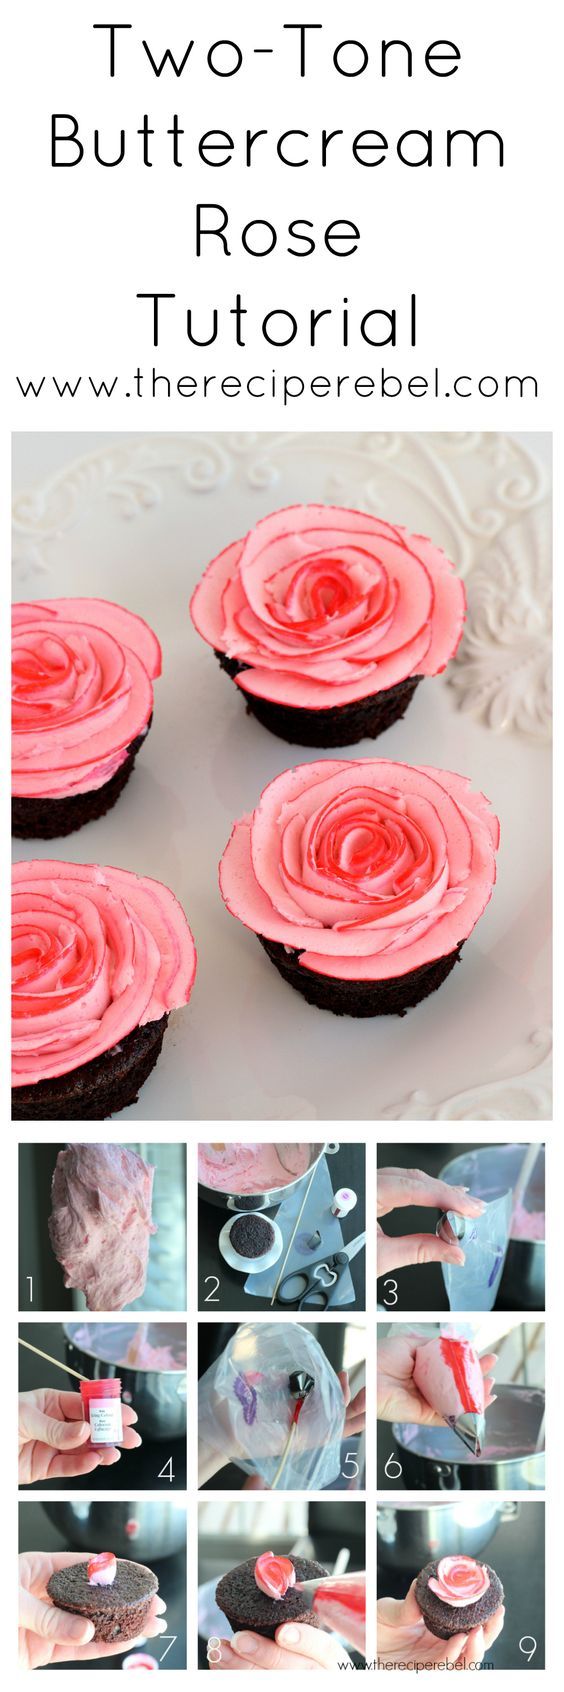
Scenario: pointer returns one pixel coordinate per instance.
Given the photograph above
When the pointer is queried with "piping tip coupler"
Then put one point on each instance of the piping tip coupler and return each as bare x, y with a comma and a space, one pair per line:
451, 1227
471, 1428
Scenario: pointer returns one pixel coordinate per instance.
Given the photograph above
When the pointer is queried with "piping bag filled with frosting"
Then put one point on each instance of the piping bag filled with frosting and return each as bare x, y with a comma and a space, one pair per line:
448, 1375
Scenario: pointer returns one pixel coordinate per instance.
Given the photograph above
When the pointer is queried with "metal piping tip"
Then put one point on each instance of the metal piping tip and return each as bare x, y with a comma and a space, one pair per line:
451, 1227
470, 1427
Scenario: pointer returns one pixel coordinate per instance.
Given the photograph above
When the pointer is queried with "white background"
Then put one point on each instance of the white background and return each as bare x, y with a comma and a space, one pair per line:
472, 243
479, 248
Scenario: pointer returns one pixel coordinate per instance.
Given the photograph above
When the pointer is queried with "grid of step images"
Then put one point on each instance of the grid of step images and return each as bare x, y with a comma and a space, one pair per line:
282, 1404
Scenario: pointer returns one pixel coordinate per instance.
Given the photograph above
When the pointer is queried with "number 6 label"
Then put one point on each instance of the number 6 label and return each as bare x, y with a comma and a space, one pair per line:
393, 1468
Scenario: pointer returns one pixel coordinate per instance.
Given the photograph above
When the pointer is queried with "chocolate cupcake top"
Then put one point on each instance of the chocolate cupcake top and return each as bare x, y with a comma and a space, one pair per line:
96, 952
80, 1587
82, 691
251, 1236
456, 1593
249, 1603
369, 869
325, 605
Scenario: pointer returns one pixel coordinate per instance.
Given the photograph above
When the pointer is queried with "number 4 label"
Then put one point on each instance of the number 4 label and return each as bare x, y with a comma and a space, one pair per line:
166, 1473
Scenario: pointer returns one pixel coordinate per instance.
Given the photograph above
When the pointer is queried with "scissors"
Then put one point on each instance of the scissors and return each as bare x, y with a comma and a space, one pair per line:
319, 1278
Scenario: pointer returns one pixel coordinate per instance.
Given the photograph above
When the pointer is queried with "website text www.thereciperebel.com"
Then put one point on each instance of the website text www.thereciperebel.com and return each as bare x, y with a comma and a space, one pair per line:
285, 388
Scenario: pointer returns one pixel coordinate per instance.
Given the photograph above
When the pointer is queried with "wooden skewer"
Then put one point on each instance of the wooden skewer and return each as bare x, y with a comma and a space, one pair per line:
294, 1231
525, 1172
53, 1360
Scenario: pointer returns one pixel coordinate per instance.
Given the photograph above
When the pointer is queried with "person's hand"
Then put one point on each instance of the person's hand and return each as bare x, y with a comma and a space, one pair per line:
404, 1638
50, 1636
398, 1187
54, 1439
296, 1647
398, 1398
355, 1408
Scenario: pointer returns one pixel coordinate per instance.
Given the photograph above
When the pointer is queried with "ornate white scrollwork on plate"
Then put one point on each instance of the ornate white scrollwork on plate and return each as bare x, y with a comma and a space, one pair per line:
131, 475
502, 671
524, 1096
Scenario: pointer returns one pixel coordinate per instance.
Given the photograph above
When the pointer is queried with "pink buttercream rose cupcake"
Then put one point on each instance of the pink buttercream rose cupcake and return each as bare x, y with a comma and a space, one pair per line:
327, 619
456, 1594
363, 880
82, 703
100, 957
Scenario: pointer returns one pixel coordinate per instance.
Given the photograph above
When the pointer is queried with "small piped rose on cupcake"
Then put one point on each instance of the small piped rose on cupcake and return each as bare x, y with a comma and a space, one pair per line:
101, 1570
460, 1581
274, 1575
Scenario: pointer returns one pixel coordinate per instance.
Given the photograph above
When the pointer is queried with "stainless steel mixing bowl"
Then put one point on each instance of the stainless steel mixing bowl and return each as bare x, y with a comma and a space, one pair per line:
274, 1196
435, 1460
410, 1535
140, 1528
158, 1395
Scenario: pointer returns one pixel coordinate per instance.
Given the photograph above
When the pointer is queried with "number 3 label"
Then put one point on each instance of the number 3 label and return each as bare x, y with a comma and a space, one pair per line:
391, 1296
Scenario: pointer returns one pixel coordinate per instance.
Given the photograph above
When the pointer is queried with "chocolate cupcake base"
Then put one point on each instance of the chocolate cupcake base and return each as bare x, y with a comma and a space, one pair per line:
251, 1236
247, 1607
118, 1611
96, 1089
337, 725
392, 997
51, 819
444, 1620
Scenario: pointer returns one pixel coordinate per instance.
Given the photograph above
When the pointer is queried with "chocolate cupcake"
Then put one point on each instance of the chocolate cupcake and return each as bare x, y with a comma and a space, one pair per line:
112, 1592
455, 1594
260, 1595
99, 959
251, 1236
363, 880
82, 704
327, 620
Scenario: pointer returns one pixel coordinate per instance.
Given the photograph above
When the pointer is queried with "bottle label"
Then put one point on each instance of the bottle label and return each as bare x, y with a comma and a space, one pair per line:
105, 1420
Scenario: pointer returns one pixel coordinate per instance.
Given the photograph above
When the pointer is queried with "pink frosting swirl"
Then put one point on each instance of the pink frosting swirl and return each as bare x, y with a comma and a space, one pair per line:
102, 1569
460, 1581
369, 869
327, 605
95, 953
82, 691
274, 1575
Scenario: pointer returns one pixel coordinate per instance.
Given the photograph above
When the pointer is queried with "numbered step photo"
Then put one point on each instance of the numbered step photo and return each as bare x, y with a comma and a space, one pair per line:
459, 1586
281, 1584
461, 1405
104, 1401
462, 1230
281, 1226
102, 1227
282, 1406
102, 1583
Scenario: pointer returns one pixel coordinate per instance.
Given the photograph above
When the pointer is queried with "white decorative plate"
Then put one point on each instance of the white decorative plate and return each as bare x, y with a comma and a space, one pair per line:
136, 520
